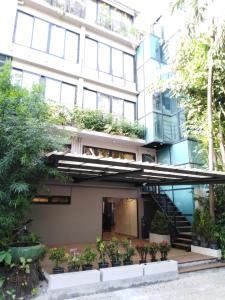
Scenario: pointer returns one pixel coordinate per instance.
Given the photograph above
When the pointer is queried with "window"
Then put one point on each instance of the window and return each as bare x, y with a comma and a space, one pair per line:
17, 76
3, 59
71, 46
90, 99
40, 35
117, 63
129, 111
148, 158
128, 67
91, 53
57, 41
24, 28
94, 151
117, 107
29, 80
51, 200
157, 103
37, 34
166, 103
116, 19
52, 90
104, 103
141, 105
104, 58
91, 10
68, 95
104, 17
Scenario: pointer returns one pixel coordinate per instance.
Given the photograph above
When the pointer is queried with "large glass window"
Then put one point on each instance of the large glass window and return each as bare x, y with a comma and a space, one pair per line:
117, 107
57, 41
71, 46
91, 53
157, 103
24, 28
117, 63
91, 10
129, 113
68, 95
104, 103
166, 103
141, 105
128, 67
104, 58
116, 19
29, 79
52, 90
90, 99
94, 151
40, 35
104, 17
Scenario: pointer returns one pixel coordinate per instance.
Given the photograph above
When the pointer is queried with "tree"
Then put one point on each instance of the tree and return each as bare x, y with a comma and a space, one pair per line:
199, 78
25, 135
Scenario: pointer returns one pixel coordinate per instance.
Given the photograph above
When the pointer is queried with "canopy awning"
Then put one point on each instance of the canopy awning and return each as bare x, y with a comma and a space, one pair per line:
90, 168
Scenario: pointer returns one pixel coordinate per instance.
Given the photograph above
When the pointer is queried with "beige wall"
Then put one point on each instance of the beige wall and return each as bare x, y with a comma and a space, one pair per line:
79, 222
126, 217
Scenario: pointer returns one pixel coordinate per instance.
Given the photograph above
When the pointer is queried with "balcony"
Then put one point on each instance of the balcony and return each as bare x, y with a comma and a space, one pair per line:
100, 13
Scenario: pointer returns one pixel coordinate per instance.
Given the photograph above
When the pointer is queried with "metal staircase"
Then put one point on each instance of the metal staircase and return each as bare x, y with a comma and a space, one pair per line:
179, 226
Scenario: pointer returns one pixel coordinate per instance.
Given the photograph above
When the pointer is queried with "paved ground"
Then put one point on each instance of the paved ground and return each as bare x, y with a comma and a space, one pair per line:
207, 285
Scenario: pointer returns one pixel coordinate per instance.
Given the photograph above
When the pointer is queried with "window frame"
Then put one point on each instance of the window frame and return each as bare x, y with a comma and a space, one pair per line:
49, 37
50, 198
109, 150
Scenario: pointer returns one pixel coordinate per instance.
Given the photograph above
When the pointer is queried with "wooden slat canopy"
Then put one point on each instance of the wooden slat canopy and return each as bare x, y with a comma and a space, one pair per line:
91, 168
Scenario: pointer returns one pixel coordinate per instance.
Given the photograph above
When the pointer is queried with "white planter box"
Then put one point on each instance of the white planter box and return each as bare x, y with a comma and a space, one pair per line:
160, 267
123, 272
73, 279
158, 238
206, 251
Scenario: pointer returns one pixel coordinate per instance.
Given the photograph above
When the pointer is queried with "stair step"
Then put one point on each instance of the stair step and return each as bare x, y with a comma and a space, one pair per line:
185, 235
181, 246
183, 228
202, 267
183, 240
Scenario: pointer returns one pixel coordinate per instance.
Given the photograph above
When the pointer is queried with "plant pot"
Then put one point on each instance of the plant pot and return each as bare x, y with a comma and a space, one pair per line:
142, 261
127, 262
87, 267
57, 270
163, 258
103, 265
204, 244
214, 246
153, 259
73, 269
116, 263
31, 251
195, 242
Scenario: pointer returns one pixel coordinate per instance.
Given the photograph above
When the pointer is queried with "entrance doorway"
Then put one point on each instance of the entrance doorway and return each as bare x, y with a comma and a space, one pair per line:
119, 217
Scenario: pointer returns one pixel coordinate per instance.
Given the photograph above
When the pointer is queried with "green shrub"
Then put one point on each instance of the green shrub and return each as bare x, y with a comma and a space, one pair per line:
159, 224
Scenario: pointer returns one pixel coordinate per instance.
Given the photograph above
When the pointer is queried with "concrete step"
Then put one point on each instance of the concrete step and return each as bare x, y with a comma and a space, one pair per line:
201, 267
183, 246
180, 240
186, 235
183, 228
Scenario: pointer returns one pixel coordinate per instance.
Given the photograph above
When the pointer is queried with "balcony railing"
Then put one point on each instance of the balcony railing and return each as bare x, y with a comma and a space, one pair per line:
77, 8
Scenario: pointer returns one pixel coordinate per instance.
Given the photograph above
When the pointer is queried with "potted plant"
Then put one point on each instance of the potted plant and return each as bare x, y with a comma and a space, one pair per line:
164, 248
102, 251
153, 249
195, 227
73, 260
113, 252
88, 258
129, 252
142, 250
58, 256
159, 228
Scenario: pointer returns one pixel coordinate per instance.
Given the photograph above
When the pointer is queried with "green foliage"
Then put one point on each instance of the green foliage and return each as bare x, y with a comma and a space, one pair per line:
159, 224
57, 255
74, 259
88, 256
25, 137
142, 250
164, 247
129, 250
113, 250
195, 222
153, 248
102, 249
5, 258
97, 121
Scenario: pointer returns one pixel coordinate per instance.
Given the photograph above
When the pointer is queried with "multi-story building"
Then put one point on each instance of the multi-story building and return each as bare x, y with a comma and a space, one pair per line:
85, 54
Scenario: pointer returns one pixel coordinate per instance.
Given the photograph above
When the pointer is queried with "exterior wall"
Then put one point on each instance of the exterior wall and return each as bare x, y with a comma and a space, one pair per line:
79, 222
